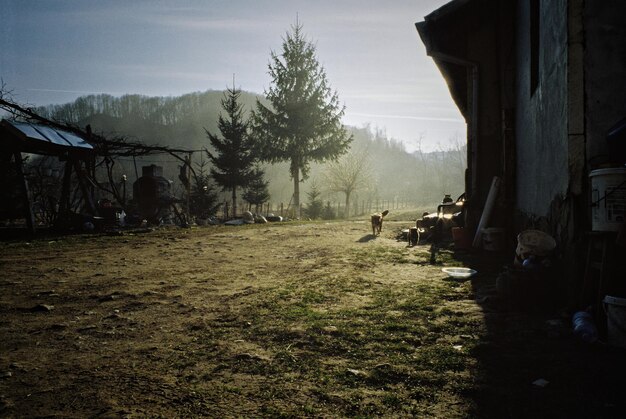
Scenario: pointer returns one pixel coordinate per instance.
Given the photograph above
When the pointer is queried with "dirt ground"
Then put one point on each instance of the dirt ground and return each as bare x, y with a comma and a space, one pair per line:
281, 320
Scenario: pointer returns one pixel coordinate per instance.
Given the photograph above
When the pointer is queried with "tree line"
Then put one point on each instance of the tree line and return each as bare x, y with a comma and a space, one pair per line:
252, 142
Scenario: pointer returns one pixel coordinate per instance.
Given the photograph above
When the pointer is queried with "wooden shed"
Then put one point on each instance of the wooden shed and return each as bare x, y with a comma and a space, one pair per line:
18, 139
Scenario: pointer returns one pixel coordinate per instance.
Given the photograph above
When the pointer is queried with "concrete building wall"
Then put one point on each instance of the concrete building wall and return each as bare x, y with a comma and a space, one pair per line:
541, 116
605, 72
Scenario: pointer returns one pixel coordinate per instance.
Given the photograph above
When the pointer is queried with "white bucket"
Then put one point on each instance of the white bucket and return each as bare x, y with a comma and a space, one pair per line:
608, 198
615, 320
493, 239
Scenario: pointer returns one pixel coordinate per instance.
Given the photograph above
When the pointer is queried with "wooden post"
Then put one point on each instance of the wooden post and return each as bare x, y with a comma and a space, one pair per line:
64, 204
489, 204
188, 164
28, 208
87, 197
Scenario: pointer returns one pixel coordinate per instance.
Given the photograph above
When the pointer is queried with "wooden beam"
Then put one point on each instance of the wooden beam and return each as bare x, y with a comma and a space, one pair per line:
28, 208
82, 183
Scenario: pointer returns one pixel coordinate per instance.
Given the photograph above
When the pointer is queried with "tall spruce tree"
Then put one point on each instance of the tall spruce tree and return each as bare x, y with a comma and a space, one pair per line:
303, 122
233, 159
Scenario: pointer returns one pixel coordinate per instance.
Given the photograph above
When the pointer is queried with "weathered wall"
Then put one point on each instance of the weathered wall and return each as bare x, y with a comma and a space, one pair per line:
473, 45
483, 48
541, 117
605, 71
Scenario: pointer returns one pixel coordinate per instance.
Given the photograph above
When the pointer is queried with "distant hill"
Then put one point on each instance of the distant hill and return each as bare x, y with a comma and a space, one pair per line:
174, 121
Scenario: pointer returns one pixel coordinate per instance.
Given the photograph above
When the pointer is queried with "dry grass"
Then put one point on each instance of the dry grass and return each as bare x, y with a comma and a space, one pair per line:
277, 320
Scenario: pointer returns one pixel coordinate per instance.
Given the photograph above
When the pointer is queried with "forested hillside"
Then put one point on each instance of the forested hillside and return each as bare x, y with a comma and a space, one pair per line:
394, 174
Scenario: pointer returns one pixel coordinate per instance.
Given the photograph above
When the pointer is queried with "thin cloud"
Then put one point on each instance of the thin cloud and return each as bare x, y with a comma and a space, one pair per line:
159, 72
80, 92
411, 117
206, 24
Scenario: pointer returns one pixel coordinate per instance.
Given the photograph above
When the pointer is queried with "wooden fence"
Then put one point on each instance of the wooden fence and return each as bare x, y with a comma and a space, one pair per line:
285, 210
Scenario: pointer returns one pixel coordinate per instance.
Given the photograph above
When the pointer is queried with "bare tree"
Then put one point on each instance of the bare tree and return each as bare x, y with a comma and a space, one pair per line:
449, 165
349, 174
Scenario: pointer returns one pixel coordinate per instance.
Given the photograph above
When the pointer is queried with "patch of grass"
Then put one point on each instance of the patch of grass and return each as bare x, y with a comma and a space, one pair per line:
390, 340
441, 358
393, 400
314, 297
383, 254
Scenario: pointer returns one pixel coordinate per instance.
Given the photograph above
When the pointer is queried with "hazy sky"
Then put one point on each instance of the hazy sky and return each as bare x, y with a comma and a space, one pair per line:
52, 51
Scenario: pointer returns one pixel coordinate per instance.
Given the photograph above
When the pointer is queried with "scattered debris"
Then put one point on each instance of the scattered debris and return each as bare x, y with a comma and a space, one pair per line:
533, 247
248, 218
330, 329
42, 308
16, 366
356, 373
87, 328
252, 357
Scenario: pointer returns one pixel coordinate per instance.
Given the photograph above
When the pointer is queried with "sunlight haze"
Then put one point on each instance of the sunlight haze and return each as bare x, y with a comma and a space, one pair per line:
56, 51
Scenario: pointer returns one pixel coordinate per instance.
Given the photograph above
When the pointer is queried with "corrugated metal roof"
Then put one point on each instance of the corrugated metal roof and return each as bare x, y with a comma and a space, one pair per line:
50, 135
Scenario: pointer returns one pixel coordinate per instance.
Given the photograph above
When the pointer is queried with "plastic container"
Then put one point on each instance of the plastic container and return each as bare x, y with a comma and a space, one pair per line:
459, 272
615, 309
533, 243
461, 237
584, 327
608, 198
531, 264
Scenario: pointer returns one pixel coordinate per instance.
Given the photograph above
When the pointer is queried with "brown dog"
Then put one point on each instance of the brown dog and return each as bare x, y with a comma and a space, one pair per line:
377, 222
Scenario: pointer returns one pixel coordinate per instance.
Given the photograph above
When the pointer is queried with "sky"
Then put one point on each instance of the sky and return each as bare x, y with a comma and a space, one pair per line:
53, 51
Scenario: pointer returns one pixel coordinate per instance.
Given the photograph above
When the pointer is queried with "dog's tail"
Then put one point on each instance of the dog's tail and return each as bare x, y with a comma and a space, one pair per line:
385, 212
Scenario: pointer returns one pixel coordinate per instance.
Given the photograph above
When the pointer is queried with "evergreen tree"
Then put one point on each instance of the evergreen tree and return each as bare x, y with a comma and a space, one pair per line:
315, 204
303, 123
328, 213
233, 160
257, 193
204, 200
